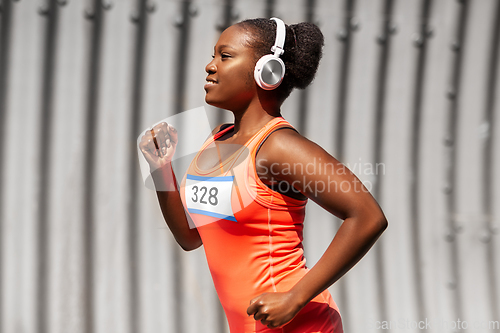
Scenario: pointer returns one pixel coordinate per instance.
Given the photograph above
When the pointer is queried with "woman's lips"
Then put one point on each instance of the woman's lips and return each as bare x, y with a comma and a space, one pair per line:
209, 84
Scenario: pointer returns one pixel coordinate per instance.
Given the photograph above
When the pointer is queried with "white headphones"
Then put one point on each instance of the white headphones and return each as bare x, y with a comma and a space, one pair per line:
270, 69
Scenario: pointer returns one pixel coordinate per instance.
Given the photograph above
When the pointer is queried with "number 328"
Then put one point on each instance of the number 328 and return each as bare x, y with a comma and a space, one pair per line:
212, 195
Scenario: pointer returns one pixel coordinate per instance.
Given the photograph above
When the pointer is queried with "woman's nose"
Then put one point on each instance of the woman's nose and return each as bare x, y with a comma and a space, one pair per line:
210, 67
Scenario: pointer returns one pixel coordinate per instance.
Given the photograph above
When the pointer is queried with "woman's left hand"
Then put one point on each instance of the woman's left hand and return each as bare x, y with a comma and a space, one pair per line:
274, 309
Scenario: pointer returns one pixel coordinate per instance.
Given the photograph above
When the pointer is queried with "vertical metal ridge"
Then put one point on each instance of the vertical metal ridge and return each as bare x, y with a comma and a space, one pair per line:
303, 107
227, 15
178, 317
451, 181
51, 13
344, 36
5, 30
488, 152
310, 6
182, 56
89, 158
226, 20
304, 94
133, 209
183, 43
269, 9
384, 41
421, 44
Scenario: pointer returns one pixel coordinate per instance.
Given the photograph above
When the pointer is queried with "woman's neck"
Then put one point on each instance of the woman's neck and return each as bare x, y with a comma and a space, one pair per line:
254, 117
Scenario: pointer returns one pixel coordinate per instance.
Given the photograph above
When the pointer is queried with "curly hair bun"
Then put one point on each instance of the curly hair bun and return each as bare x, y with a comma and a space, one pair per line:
302, 58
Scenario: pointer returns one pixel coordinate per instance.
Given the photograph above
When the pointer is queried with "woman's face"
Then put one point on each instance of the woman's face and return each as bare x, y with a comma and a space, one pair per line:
230, 84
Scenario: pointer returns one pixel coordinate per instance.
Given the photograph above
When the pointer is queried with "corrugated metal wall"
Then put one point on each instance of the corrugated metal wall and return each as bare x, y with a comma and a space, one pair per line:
410, 86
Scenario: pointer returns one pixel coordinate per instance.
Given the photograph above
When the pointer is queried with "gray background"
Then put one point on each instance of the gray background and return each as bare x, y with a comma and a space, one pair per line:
412, 84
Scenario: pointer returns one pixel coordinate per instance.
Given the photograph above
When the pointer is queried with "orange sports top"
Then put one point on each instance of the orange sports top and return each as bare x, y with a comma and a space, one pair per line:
252, 237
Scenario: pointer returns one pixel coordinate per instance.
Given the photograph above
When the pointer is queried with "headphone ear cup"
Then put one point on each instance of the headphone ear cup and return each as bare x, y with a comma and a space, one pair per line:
269, 72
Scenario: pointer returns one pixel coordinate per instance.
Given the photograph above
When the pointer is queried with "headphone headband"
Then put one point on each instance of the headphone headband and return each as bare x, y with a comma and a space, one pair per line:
278, 47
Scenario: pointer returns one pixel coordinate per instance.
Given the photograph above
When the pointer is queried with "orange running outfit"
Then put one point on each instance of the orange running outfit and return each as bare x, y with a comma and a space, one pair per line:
252, 237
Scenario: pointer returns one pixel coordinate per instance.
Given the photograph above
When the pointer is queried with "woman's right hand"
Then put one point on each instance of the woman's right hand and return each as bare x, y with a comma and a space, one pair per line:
158, 145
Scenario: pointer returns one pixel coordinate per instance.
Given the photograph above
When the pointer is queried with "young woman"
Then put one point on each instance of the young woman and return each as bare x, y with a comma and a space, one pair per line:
244, 195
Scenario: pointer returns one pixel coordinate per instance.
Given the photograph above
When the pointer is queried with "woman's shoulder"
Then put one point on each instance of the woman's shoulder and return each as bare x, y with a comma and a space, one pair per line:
285, 143
287, 137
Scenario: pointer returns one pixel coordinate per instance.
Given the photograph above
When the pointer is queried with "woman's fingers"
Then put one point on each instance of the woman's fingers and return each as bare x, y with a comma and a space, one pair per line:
147, 144
172, 132
253, 307
260, 313
273, 309
256, 309
147, 147
158, 144
153, 134
159, 138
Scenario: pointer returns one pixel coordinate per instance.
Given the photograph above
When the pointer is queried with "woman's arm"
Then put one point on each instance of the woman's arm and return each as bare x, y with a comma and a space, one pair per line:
158, 147
337, 190
173, 210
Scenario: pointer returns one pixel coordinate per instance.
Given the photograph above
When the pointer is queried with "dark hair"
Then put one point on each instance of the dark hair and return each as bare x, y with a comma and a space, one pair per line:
303, 49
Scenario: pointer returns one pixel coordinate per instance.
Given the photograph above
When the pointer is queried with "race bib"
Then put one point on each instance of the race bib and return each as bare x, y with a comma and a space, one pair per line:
210, 196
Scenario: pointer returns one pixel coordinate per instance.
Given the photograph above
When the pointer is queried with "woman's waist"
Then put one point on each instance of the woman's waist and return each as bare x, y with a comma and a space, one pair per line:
235, 255
236, 290
248, 277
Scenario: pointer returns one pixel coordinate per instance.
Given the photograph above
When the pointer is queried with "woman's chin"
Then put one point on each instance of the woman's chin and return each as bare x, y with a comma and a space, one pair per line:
211, 101
208, 101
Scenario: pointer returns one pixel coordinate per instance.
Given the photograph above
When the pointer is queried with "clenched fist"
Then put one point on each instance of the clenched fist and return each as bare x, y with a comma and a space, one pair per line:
274, 309
158, 145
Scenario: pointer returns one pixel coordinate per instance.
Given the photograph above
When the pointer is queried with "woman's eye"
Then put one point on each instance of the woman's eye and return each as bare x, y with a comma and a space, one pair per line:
223, 55
213, 57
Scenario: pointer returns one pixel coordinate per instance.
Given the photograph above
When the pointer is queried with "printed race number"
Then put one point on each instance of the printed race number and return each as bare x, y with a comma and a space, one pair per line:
210, 196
